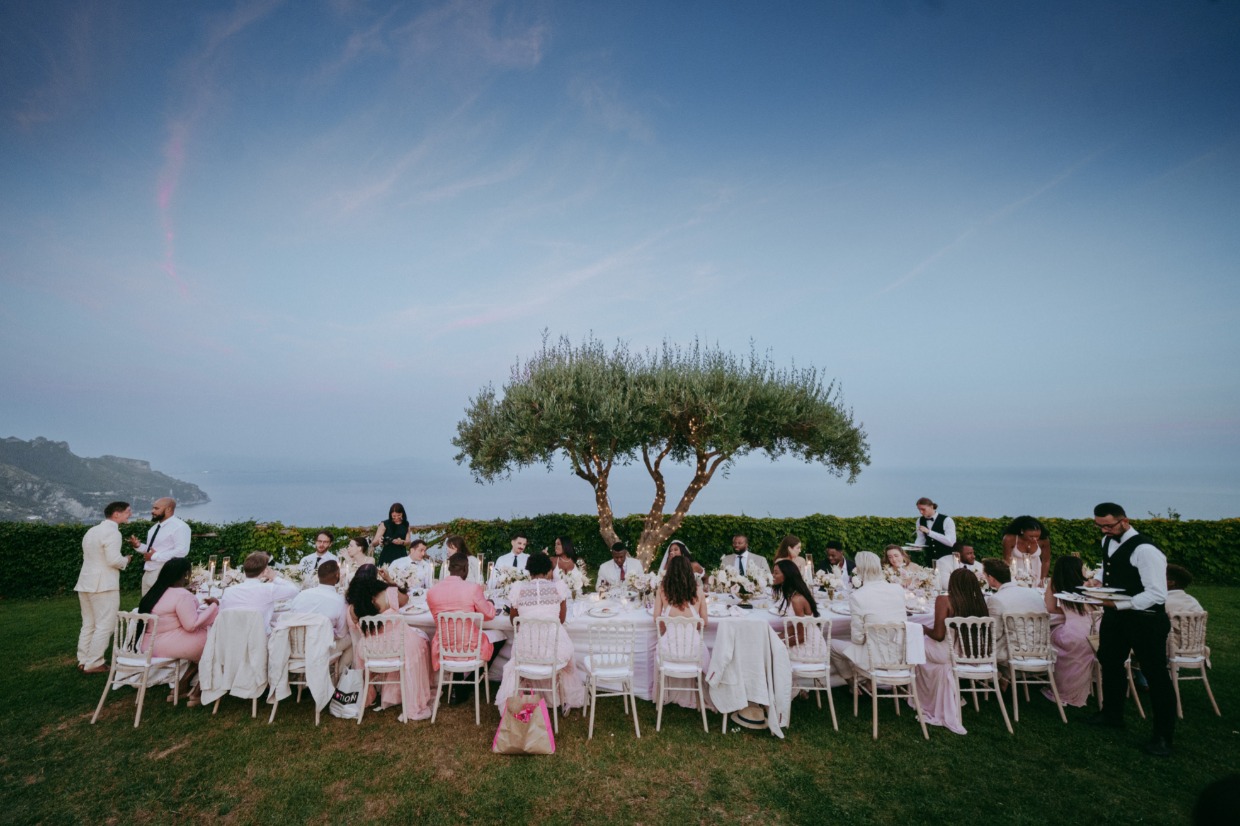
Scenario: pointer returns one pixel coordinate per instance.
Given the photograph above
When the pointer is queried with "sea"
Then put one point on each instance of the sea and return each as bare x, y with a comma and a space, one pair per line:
360, 495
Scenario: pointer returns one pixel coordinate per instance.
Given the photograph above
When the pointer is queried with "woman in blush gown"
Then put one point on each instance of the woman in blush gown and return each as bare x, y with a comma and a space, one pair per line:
936, 685
370, 596
183, 624
546, 599
1071, 623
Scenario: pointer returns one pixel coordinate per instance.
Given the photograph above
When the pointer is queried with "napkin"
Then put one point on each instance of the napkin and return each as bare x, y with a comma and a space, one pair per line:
914, 643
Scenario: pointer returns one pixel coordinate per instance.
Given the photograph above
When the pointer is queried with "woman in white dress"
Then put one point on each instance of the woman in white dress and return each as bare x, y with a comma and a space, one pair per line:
901, 568
795, 599
542, 597
678, 548
681, 595
1027, 550
875, 601
456, 544
790, 548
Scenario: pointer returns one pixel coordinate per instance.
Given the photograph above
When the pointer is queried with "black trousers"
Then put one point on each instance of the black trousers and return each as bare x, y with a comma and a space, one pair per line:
1146, 636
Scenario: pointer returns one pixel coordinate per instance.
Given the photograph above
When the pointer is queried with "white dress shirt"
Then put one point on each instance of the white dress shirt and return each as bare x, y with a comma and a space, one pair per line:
1151, 565
252, 594
1012, 599
947, 565
424, 567
508, 560
323, 600
1182, 602
310, 562
609, 571
947, 537
172, 542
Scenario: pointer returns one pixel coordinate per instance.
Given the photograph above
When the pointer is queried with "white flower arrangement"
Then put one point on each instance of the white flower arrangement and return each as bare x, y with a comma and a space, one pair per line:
403, 577
231, 577
856, 581
727, 580
199, 577
506, 577
833, 580
642, 584
575, 580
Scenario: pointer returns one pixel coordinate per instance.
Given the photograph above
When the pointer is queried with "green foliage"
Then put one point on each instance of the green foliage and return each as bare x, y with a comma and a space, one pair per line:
42, 560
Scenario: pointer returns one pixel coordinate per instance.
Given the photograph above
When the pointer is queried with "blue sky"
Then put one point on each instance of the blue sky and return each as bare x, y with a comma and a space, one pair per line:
275, 232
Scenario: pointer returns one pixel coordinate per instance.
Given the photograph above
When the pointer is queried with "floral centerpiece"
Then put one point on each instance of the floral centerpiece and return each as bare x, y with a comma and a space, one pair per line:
576, 579
231, 577
405, 577
729, 581
644, 585
199, 578
506, 577
830, 581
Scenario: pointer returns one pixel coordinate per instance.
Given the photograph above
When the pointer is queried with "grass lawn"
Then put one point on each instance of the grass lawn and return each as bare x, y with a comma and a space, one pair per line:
184, 765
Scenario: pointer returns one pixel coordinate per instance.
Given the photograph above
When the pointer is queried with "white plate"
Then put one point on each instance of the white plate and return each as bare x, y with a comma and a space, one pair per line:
839, 608
1077, 598
1101, 589
718, 610
412, 608
604, 611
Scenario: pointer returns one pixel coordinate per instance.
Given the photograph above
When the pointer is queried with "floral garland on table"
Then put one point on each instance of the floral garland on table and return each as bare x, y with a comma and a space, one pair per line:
727, 580
575, 580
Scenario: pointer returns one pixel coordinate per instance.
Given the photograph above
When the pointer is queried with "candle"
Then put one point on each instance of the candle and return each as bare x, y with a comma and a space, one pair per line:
227, 564
211, 569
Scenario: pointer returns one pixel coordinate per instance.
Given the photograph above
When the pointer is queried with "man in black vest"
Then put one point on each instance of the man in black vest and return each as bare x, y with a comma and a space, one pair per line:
935, 532
1134, 621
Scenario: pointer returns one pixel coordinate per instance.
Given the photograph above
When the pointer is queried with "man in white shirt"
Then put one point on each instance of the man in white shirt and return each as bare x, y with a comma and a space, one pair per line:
322, 553
1136, 623
1008, 598
424, 569
516, 558
167, 539
1179, 601
936, 532
620, 568
323, 599
259, 591
744, 561
99, 586
962, 556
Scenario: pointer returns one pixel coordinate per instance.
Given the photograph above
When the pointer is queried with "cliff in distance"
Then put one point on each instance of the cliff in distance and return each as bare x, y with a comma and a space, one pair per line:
43, 481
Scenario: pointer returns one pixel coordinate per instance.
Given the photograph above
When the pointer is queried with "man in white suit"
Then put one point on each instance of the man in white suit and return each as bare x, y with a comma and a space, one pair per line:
99, 586
1008, 598
744, 561
620, 568
877, 601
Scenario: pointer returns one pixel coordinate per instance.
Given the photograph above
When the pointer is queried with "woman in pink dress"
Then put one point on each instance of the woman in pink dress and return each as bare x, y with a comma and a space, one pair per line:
936, 685
1071, 623
369, 596
542, 597
181, 631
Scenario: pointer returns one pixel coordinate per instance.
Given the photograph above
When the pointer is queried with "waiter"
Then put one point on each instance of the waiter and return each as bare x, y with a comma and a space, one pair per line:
1135, 620
936, 533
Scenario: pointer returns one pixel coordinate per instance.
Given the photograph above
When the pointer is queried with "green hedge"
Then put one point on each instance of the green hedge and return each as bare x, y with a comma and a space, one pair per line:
42, 560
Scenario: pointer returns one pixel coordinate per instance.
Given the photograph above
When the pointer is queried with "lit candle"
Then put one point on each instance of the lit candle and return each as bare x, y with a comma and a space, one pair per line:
211, 569
227, 564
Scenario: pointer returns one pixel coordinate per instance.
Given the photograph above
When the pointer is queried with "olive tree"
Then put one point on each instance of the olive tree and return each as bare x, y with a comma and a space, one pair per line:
695, 405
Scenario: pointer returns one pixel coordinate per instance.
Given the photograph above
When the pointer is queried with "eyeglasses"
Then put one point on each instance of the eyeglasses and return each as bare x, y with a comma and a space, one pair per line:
1109, 527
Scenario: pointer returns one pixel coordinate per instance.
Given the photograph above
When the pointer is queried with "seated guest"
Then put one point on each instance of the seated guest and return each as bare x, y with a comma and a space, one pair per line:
900, 566
516, 558
544, 598
456, 545
322, 552
456, 594
681, 595
790, 548
1008, 598
936, 685
875, 601
1072, 623
422, 569
797, 600
962, 556
1178, 600
259, 591
181, 631
356, 554
323, 599
369, 596
837, 561
678, 548
621, 566
565, 557
744, 561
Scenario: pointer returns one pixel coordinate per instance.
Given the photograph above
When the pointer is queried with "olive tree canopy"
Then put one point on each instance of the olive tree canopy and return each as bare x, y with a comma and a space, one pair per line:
695, 405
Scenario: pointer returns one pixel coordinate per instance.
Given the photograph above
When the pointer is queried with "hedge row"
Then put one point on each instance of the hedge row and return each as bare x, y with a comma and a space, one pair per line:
43, 560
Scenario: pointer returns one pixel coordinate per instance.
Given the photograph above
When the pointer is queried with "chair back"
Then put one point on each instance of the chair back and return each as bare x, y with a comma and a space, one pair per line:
382, 637
1188, 635
680, 639
886, 646
1028, 636
806, 640
296, 642
535, 641
611, 644
459, 634
132, 630
972, 640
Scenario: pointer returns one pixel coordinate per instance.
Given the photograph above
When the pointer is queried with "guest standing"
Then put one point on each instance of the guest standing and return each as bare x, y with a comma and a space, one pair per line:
565, 557
1135, 622
183, 625
1072, 623
936, 685
936, 533
167, 539
393, 534
99, 586
1027, 547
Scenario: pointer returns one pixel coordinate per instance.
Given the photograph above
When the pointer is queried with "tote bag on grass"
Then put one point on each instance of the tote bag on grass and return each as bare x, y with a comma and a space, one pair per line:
524, 728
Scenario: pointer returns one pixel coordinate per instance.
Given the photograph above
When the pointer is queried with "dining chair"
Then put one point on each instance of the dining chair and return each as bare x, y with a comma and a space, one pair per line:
459, 634
296, 667
810, 655
382, 647
611, 660
972, 645
1030, 654
678, 656
133, 666
534, 660
1187, 651
234, 660
888, 668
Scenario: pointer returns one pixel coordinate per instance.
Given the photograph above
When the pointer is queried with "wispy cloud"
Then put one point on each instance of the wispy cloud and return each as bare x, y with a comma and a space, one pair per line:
471, 32
70, 63
604, 103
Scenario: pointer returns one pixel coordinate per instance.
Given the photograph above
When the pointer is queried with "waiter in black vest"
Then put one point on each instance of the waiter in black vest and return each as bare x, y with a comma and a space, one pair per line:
1135, 620
935, 532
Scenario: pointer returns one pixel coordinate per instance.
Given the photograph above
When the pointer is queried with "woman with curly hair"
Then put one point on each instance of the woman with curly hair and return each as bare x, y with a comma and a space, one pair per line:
1027, 548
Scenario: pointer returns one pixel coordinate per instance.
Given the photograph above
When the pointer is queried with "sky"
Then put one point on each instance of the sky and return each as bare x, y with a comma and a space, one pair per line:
283, 234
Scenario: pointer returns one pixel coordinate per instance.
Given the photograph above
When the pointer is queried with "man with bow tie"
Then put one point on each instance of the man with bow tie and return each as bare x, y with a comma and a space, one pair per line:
936, 533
